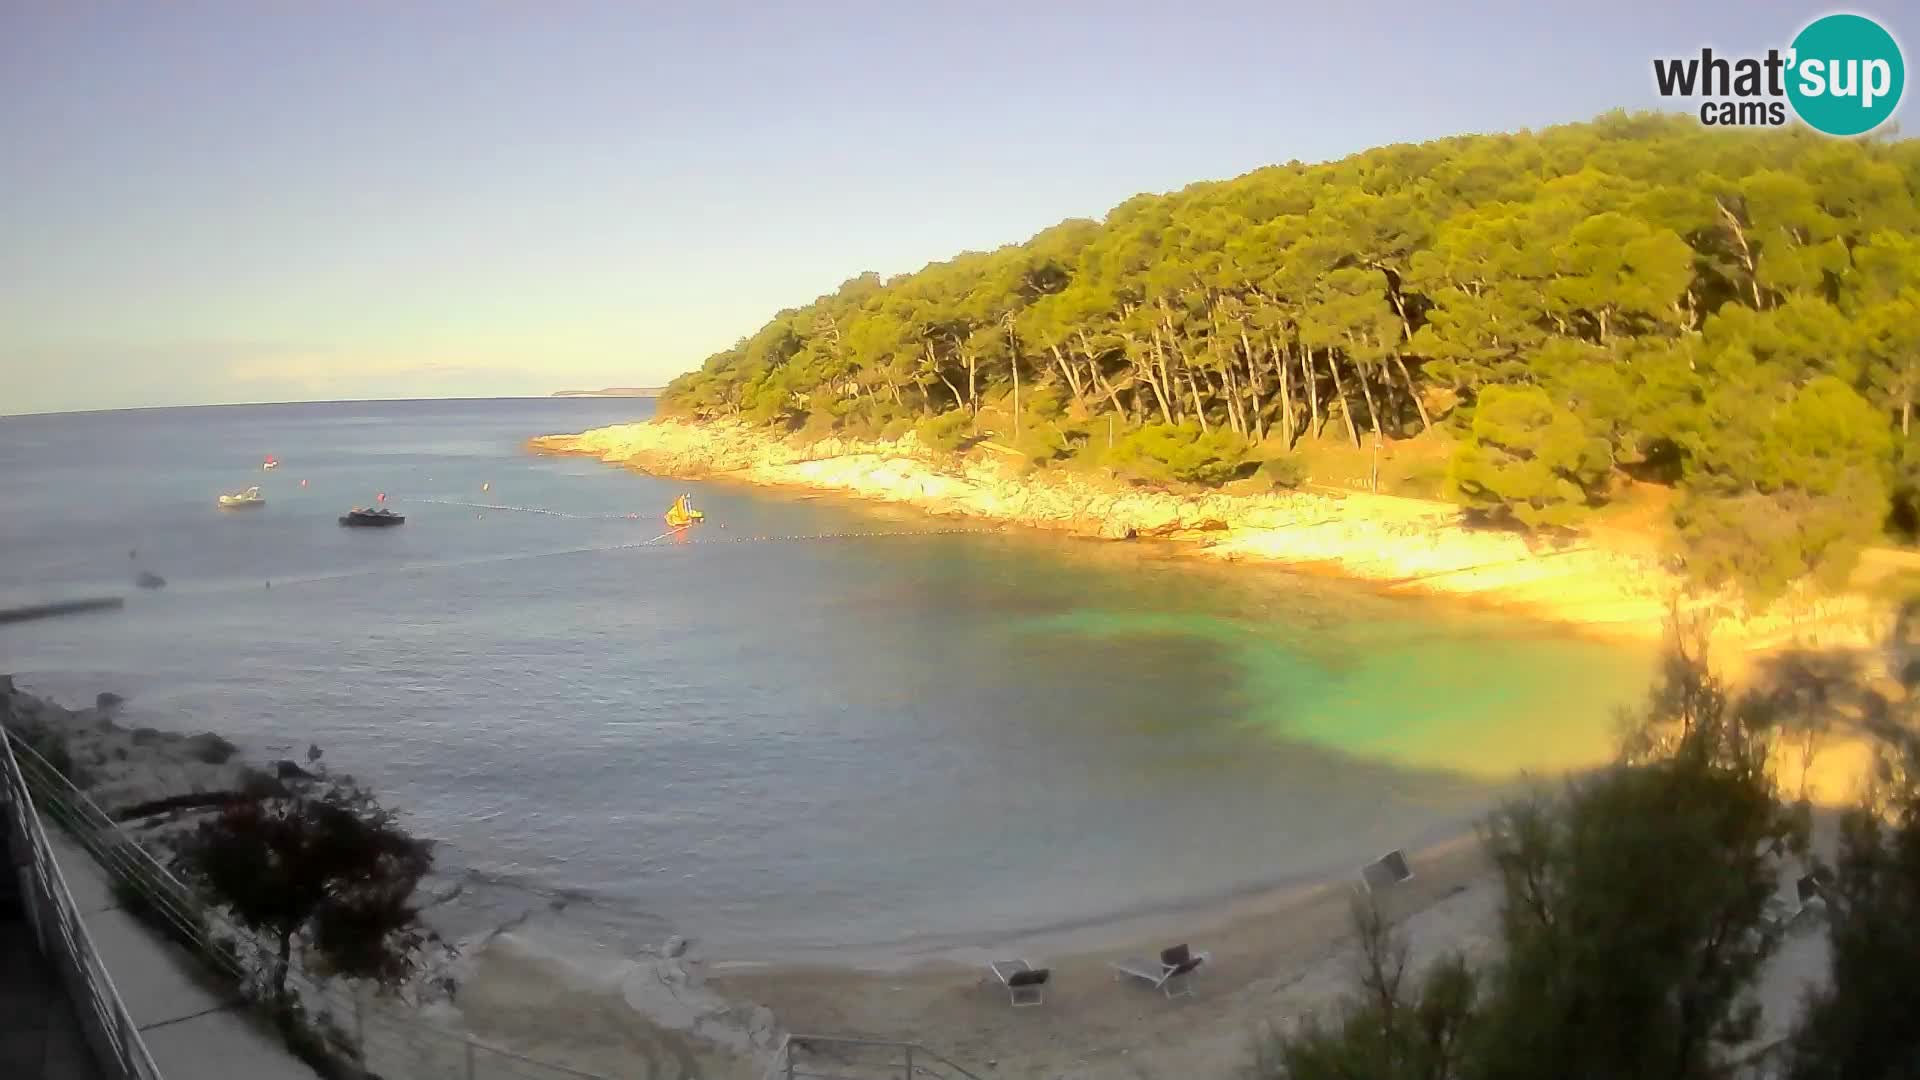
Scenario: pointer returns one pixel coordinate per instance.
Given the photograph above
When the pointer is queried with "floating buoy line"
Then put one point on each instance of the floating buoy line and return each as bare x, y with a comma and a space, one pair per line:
857, 535
691, 539
671, 540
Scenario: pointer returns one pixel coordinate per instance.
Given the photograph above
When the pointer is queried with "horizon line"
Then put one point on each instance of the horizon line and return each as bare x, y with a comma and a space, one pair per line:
554, 396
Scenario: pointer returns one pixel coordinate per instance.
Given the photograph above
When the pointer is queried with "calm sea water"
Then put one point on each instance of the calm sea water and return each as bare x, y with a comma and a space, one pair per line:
770, 745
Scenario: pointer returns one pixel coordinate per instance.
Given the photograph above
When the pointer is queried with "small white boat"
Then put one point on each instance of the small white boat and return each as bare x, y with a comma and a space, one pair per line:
243, 500
270, 463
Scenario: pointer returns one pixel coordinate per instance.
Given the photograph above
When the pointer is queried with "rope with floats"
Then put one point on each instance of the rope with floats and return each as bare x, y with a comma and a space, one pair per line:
654, 544
855, 535
852, 535
521, 509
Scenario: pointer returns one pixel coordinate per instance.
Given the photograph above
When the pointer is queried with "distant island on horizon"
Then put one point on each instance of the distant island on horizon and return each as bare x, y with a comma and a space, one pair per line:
614, 391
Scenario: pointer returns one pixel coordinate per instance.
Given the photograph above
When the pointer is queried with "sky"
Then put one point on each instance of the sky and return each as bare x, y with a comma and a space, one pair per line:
228, 202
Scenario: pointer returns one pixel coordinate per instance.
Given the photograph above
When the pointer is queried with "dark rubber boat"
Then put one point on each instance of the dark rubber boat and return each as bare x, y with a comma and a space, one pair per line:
371, 518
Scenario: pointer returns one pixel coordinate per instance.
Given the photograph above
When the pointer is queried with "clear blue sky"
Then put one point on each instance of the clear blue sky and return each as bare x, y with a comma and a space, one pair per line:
244, 202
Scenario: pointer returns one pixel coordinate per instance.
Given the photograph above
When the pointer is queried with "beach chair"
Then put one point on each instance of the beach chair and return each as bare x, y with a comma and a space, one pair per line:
1026, 984
1785, 908
1171, 973
1386, 871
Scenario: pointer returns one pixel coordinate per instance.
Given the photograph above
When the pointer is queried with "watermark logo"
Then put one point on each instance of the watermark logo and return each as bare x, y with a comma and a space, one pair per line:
1842, 75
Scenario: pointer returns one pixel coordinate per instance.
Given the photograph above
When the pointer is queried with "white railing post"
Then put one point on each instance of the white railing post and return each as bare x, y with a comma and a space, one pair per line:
68, 948
359, 1026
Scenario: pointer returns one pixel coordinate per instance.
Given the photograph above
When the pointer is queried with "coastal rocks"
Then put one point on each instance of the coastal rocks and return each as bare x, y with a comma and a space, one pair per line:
1398, 542
103, 702
672, 994
210, 748
287, 770
676, 946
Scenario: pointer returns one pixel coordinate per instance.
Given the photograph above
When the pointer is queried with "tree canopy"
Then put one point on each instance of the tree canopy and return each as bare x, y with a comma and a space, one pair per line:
1632, 921
328, 863
1731, 311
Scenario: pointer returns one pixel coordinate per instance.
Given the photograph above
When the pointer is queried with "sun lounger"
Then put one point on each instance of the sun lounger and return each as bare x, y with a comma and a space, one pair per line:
1785, 908
1026, 984
1171, 973
1386, 871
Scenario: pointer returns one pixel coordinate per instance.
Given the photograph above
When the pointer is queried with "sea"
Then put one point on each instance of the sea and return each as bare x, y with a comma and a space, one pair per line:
807, 727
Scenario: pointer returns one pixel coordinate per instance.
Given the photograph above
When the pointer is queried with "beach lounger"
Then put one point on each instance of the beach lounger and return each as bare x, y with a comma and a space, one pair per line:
1386, 871
1026, 984
1785, 908
1171, 973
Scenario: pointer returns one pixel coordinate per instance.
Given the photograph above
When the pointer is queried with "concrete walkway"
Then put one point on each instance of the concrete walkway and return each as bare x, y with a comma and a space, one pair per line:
40, 1037
40, 1034
193, 1025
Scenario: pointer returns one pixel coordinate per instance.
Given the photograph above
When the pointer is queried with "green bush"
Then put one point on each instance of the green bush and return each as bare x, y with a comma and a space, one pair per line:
1792, 482
1180, 453
1763, 543
1286, 472
945, 431
1042, 444
1528, 460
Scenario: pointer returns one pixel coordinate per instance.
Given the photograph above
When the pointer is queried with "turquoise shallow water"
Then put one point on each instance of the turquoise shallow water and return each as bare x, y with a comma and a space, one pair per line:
768, 745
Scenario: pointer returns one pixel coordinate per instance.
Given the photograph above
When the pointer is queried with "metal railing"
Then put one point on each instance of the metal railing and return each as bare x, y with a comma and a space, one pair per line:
115, 1040
397, 1047
832, 1057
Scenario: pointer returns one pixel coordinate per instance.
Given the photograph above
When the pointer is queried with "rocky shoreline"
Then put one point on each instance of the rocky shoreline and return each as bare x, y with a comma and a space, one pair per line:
480, 981
1395, 543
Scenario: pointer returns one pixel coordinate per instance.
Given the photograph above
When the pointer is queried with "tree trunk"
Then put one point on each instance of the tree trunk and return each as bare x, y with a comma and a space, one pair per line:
1426, 423
1280, 358
1286, 403
1013, 361
1346, 406
973, 390
1236, 417
1108, 391
1373, 416
1366, 390
1156, 375
1746, 252
1256, 406
1199, 409
1313, 387
1400, 307
1073, 380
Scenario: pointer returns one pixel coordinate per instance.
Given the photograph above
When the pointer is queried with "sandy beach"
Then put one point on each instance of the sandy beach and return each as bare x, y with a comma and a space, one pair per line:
1606, 583
538, 987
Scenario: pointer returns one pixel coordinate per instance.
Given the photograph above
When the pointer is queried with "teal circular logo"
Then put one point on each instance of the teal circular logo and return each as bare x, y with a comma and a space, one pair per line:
1846, 74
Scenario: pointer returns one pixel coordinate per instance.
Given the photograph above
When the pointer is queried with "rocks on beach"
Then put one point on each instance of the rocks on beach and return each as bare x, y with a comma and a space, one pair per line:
121, 767
1400, 543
